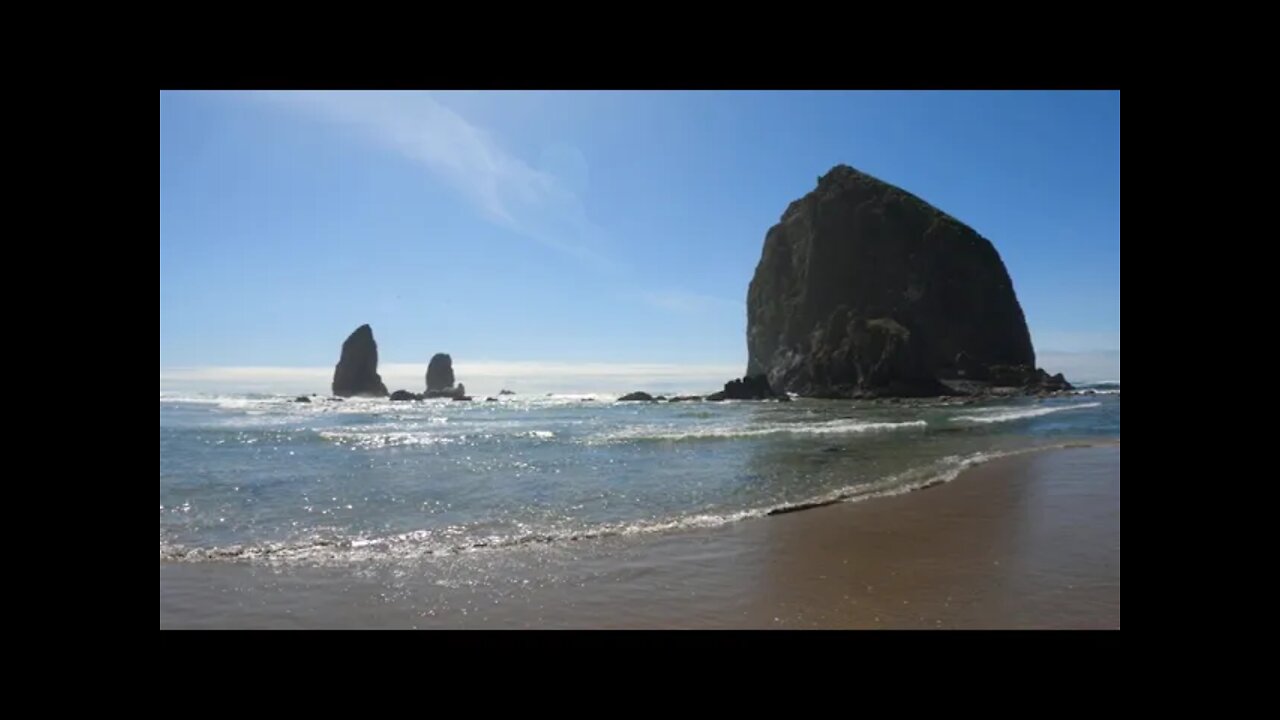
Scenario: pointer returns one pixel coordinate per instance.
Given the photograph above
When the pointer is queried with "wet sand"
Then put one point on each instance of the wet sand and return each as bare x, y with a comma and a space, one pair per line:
1031, 541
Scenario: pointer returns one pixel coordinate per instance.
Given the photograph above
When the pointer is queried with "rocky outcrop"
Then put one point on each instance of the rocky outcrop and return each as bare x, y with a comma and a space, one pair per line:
1026, 376
440, 372
404, 395
505, 391
357, 369
454, 392
440, 379
755, 387
302, 398
864, 289
636, 397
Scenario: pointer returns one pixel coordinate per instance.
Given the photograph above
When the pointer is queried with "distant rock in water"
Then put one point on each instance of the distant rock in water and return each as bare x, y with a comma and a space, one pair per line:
636, 397
1028, 377
440, 379
454, 392
755, 387
403, 395
505, 392
302, 398
864, 289
440, 372
357, 369
491, 399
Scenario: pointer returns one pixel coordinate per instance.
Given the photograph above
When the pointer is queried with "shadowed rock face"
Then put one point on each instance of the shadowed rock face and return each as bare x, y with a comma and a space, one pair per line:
440, 372
865, 289
357, 369
748, 388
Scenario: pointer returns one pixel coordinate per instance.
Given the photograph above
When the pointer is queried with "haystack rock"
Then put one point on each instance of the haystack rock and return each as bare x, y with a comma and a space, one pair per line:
357, 369
864, 289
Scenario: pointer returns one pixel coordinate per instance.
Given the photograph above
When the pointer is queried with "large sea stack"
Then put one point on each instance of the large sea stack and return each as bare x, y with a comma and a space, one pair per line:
864, 289
440, 379
440, 372
357, 370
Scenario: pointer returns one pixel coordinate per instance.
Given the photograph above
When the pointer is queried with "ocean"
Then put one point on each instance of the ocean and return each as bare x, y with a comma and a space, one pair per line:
463, 494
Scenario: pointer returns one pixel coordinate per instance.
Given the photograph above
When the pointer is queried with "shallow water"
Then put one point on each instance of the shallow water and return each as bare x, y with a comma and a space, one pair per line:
1028, 541
263, 479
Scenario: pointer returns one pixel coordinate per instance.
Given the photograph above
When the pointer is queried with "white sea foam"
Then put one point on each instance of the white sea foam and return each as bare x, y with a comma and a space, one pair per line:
833, 427
372, 439
1009, 414
420, 544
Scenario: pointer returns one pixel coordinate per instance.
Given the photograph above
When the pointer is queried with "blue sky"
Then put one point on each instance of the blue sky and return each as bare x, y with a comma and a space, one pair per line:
573, 228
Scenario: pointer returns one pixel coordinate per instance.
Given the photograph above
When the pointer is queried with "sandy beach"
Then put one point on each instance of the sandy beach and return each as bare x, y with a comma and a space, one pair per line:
1029, 541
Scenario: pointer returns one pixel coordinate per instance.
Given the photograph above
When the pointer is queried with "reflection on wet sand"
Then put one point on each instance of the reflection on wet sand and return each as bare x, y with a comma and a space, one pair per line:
1027, 541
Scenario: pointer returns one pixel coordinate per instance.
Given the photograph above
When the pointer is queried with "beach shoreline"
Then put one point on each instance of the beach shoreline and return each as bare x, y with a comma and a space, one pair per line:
1029, 540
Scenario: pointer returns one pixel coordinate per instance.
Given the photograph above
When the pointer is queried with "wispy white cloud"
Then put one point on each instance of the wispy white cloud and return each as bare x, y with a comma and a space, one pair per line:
500, 185
686, 302
481, 378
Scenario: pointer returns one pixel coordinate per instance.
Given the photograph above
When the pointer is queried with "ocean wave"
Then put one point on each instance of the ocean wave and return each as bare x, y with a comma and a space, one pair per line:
372, 440
1009, 414
426, 544
230, 402
833, 427
373, 404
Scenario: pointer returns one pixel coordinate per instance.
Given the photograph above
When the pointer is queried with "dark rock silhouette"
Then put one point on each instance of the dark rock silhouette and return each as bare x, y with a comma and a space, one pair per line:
302, 398
440, 372
636, 397
755, 387
403, 395
357, 369
864, 289
440, 379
